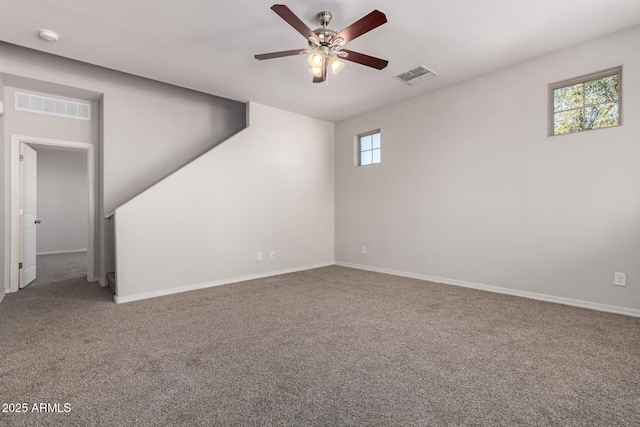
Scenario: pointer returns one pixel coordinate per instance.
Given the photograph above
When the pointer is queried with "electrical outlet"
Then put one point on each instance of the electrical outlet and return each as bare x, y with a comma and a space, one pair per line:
364, 249
272, 254
620, 279
259, 256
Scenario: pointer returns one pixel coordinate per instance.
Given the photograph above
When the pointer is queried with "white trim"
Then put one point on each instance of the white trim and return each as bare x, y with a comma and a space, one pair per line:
2, 294
514, 292
69, 251
14, 203
171, 291
102, 282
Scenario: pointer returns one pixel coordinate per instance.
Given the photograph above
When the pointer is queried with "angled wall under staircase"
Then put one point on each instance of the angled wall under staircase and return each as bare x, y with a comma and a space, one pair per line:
269, 188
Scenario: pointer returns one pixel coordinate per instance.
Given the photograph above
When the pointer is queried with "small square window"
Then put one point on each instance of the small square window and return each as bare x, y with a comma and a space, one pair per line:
585, 103
369, 148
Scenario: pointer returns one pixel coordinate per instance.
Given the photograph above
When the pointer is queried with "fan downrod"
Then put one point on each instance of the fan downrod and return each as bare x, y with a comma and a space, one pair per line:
324, 33
324, 18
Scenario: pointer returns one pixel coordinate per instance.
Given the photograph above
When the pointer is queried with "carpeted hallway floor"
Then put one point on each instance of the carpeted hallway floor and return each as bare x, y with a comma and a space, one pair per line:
57, 268
330, 346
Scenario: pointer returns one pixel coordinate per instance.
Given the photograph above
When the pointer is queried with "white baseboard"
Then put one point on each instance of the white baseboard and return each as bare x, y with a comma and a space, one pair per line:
2, 292
102, 282
171, 291
70, 251
514, 292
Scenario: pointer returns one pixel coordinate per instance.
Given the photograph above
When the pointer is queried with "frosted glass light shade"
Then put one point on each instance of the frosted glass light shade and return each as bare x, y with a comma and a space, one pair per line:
315, 60
336, 65
316, 71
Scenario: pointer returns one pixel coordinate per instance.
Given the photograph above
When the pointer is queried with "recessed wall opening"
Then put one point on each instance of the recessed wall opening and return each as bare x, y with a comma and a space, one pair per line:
62, 215
67, 243
59, 127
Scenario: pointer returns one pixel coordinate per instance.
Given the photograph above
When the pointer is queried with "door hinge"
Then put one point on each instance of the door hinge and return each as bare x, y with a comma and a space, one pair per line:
21, 157
19, 266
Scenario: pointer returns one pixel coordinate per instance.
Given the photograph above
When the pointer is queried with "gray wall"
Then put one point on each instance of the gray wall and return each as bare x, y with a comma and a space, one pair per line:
150, 129
62, 201
471, 189
48, 126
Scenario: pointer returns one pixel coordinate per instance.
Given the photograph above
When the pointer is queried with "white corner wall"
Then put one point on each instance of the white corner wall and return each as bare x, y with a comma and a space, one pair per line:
269, 188
472, 191
63, 205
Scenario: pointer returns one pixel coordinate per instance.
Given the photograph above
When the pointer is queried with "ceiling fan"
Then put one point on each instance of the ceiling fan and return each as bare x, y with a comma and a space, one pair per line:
325, 44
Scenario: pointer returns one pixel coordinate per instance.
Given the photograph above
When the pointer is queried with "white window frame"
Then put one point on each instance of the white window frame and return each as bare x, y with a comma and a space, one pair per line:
358, 148
583, 79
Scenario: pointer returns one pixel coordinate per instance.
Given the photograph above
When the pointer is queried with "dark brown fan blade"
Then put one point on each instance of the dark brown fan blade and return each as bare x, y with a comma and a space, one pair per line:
281, 54
361, 58
324, 74
285, 13
362, 26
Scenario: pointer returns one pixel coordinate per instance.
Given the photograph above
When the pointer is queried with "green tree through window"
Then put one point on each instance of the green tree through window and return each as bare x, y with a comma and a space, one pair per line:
591, 102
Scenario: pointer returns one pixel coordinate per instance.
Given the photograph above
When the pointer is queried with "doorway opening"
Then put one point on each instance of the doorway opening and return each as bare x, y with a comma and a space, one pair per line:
24, 221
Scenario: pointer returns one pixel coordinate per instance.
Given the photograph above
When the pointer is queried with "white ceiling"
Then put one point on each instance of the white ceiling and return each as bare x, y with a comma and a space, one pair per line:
209, 45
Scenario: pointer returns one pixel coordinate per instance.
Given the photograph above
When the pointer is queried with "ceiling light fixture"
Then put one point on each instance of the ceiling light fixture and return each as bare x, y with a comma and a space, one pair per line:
50, 36
336, 65
316, 71
315, 59
325, 45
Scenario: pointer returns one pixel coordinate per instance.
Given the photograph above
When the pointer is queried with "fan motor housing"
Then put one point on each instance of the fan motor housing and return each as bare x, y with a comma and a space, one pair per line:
324, 35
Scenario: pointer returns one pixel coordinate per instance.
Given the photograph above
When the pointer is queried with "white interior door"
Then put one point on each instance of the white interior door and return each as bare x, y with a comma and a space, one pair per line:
29, 166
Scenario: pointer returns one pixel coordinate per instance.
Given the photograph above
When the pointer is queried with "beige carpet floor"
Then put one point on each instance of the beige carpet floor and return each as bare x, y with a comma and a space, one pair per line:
330, 346
57, 268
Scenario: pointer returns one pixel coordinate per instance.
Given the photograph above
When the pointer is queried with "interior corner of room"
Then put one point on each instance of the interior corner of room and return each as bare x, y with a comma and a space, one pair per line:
197, 234
493, 204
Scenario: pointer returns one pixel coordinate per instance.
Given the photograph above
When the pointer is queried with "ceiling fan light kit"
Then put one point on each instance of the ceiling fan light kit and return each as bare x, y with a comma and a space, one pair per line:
325, 44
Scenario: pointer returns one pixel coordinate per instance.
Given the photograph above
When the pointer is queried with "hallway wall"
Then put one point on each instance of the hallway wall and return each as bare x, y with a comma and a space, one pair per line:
62, 202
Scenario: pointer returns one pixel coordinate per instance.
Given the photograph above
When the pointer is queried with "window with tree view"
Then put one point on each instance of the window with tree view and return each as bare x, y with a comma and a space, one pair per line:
590, 102
369, 148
